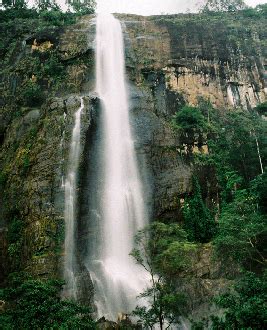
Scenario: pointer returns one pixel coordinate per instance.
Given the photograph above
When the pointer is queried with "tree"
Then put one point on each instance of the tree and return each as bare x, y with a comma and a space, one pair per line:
223, 5
236, 143
241, 227
259, 190
83, 7
198, 220
47, 5
245, 305
162, 250
165, 305
262, 107
14, 4
191, 124
36, 304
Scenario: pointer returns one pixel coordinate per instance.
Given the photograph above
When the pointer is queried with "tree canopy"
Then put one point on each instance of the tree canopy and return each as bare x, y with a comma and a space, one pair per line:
163, 250
36, 304
223, 5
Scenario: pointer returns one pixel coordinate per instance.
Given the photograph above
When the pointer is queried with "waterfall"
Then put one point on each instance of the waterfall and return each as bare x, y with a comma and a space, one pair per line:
121, 211
70, 186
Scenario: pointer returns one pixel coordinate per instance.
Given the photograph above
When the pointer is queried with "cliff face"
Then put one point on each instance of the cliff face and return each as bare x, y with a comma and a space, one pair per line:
35, 137
171, 61
221, 58
177, 60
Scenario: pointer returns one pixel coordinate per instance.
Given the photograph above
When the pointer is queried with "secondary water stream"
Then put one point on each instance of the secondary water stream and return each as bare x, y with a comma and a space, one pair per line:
70, 186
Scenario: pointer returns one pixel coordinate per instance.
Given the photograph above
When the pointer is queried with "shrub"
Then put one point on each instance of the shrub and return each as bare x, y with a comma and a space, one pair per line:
36, 304
52, 66
189, 118
32, 94
245, 305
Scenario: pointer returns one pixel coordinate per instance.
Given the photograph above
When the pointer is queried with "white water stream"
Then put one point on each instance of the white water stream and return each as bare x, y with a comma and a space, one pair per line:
117, 278
70, 186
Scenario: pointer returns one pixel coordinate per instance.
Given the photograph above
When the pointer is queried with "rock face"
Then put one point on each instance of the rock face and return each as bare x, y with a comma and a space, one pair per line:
177, 60
35, 140
171, 61
199, 56
202, 281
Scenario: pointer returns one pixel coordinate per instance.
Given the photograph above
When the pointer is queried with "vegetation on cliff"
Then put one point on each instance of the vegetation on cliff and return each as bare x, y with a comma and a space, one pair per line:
229, 143
235, 223
163, 250
35, 304
236, 148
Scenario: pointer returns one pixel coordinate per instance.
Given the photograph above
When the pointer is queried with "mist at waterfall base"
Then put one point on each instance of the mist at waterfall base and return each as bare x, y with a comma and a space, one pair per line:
117, 209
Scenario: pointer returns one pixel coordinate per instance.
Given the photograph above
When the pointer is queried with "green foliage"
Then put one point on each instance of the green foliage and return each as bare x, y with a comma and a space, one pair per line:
59, 237
198, 220
191, 124
15, 4
15, 240
259, 190
3, 178
245, 305
43, 69
11, 14
237, 145
188, 119
262, 107
52, 67
240, 227
163, 250
35, 304
260, 11
167, 253
84, 7
164, 305
46, 11
56, 17
32, 94
46, 5
223, 5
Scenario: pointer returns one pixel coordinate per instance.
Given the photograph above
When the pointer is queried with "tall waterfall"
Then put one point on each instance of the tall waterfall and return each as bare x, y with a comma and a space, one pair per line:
70, 207
117, 278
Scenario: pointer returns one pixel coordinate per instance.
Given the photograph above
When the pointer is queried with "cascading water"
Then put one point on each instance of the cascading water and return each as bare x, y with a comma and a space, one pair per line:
70, 186
121, 211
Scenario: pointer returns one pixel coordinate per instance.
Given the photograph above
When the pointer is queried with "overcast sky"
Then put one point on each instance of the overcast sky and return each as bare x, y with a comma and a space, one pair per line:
153, 7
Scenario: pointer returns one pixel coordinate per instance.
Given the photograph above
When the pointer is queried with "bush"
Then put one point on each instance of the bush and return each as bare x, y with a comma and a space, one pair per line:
245, 305
262, 108
15, 240
191, 124
32, 94
189, 118
85, 7
36, 304
3, 178
240, 227
57, 17
52, 66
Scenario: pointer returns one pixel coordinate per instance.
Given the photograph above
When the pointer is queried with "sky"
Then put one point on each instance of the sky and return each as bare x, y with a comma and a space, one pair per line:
154, 7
